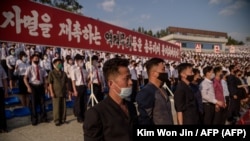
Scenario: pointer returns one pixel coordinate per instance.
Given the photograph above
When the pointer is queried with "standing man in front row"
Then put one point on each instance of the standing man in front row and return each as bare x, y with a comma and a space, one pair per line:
113, 118
79, 83
154, 105
35, 81
58, 81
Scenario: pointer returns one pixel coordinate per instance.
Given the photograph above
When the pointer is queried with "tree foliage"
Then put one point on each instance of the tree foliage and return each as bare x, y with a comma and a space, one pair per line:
157, 34
69, 5
232, 41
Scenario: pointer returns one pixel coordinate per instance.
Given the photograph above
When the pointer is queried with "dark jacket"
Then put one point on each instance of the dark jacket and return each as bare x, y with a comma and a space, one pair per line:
107, 122
154, 108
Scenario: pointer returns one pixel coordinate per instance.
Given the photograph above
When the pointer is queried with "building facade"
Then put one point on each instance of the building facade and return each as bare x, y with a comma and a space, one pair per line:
196, 39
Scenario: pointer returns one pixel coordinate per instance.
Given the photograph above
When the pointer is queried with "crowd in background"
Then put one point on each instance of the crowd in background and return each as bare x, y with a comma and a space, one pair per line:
232, 71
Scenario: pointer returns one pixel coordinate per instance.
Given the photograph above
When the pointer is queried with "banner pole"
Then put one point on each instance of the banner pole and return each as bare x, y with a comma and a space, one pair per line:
92, 97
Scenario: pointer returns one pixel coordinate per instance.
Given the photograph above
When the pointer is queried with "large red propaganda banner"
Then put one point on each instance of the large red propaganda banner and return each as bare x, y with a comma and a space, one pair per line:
25, 21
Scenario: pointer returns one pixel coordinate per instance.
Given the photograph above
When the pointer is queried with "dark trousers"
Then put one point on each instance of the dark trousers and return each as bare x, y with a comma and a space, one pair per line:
234, 109
134, 90
209, 110
3, 120
37, 103
80, 102
220, 117
4, 65
97, 89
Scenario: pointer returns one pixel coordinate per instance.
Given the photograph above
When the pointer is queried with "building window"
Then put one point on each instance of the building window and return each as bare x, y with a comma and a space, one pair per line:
184, 45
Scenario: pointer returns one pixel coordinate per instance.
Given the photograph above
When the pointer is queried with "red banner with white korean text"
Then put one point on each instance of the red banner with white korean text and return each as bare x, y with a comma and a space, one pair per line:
34, 23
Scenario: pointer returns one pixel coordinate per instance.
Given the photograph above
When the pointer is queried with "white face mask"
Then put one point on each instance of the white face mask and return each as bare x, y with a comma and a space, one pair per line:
125, 92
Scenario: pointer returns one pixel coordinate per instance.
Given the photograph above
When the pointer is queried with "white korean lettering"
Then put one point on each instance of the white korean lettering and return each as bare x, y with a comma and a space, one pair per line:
45, 27
66, 29
146, 46
88, 34
31, 23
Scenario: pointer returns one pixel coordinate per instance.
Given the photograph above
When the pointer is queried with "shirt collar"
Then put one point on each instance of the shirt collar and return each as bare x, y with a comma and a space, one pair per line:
206, 79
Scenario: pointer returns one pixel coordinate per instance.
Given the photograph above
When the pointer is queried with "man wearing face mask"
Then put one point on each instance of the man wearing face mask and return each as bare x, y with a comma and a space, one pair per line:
184, 97
35, 81
58, 80
154, 105
79, 83
208, 96
113, 118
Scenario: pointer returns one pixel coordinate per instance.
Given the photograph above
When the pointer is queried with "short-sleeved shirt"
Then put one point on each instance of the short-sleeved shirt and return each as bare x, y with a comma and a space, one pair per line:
32, 75
59, 82
185, 102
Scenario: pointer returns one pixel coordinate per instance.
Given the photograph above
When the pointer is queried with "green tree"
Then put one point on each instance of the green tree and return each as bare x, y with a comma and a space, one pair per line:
232, 41
69, 5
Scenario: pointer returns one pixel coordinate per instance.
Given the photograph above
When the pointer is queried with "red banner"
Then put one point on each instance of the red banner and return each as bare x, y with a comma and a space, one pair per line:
34, 23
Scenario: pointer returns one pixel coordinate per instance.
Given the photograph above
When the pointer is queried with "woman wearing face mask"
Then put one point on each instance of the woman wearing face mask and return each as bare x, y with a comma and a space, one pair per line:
113, 118
153, 102
11, 63
20, 69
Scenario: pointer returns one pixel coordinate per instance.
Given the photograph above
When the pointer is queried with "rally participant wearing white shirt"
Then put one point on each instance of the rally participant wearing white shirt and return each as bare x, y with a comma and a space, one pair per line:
11, 62
35, 81
79, 83
20, 69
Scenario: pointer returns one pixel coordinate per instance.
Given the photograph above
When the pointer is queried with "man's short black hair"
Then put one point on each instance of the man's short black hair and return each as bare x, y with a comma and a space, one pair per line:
95, 58
196, 71
217, 69
57, 60
231, 67
153, 62
111, 67
183, 66
207, 69
78, 57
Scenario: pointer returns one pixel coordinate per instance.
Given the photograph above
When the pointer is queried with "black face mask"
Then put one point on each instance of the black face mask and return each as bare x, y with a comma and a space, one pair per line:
190, 78
163, 76
36, 62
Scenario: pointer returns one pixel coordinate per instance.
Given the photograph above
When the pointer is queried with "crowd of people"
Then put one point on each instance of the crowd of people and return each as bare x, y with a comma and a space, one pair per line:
214, 87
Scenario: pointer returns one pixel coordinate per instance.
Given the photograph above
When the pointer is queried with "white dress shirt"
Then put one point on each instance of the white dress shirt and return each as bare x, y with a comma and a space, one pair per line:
31, 74
46, 64
225, 88
134, 74
77, 76
21, 67
96, 71
11, 61
207, 91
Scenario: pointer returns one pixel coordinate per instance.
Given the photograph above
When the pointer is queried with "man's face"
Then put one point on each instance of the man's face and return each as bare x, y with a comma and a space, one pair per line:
36, 58
121, 80
197, 76
188, 71
219, 73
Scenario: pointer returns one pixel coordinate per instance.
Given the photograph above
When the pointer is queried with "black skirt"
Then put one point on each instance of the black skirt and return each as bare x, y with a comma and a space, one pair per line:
70, 87
21, 85
11, 75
